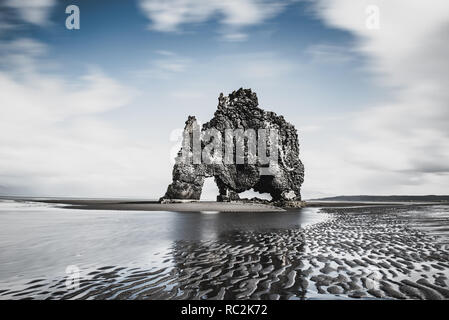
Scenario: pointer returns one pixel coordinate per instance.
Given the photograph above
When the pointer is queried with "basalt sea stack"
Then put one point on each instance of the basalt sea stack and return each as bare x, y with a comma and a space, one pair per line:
236, 119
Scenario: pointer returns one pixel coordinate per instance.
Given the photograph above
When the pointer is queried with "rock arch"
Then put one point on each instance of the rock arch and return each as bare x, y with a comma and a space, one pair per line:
239, 110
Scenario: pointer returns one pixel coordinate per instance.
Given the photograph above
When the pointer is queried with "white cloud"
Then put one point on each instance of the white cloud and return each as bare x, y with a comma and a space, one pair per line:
20, 55
165, 53
328, 53
235, 37
170, 15
32, 11
256, 67
54, 139
164, 65
401, 146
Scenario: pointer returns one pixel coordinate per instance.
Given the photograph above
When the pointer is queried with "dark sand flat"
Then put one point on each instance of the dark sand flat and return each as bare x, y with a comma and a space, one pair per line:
183, 207
202, 206
142, 205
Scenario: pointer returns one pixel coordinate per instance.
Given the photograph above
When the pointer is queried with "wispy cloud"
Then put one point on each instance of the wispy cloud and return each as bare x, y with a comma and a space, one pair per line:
52, 136
329, 53
399, 146
171, 15
235, 36
165, 64
32, 11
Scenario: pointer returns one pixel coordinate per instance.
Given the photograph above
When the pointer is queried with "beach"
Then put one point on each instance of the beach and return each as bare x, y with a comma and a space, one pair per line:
353, 252
144, 205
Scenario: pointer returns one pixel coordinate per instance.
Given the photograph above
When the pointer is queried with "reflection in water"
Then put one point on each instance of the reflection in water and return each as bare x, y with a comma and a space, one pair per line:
242, 255
213, 226
137, 254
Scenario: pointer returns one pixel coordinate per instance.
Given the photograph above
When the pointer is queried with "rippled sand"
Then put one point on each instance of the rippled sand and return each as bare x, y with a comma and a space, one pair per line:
356, 253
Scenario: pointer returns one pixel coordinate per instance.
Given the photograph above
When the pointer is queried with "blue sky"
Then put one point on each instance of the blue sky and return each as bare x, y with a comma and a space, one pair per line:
116, 38
103, 101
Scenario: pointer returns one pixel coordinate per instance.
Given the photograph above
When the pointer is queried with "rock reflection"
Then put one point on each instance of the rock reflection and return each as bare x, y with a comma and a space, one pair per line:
242, 265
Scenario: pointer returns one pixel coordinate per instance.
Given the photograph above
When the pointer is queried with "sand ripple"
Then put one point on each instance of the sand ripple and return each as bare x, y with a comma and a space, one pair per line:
357, 253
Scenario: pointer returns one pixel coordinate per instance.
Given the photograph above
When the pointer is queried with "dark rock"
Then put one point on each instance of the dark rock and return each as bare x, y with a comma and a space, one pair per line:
260, 170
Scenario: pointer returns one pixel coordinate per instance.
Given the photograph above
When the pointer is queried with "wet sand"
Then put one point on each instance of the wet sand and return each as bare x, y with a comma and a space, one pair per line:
202, 206
142, 205
357, 253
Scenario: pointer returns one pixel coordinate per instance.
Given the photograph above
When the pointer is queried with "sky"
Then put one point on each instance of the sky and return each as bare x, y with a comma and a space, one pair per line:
94, 111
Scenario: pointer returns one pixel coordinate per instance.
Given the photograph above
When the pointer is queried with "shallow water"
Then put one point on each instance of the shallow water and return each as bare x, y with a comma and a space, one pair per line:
41, 240
432, 220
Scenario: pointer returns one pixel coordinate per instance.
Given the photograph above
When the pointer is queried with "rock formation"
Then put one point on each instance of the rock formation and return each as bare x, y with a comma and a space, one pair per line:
273, 166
